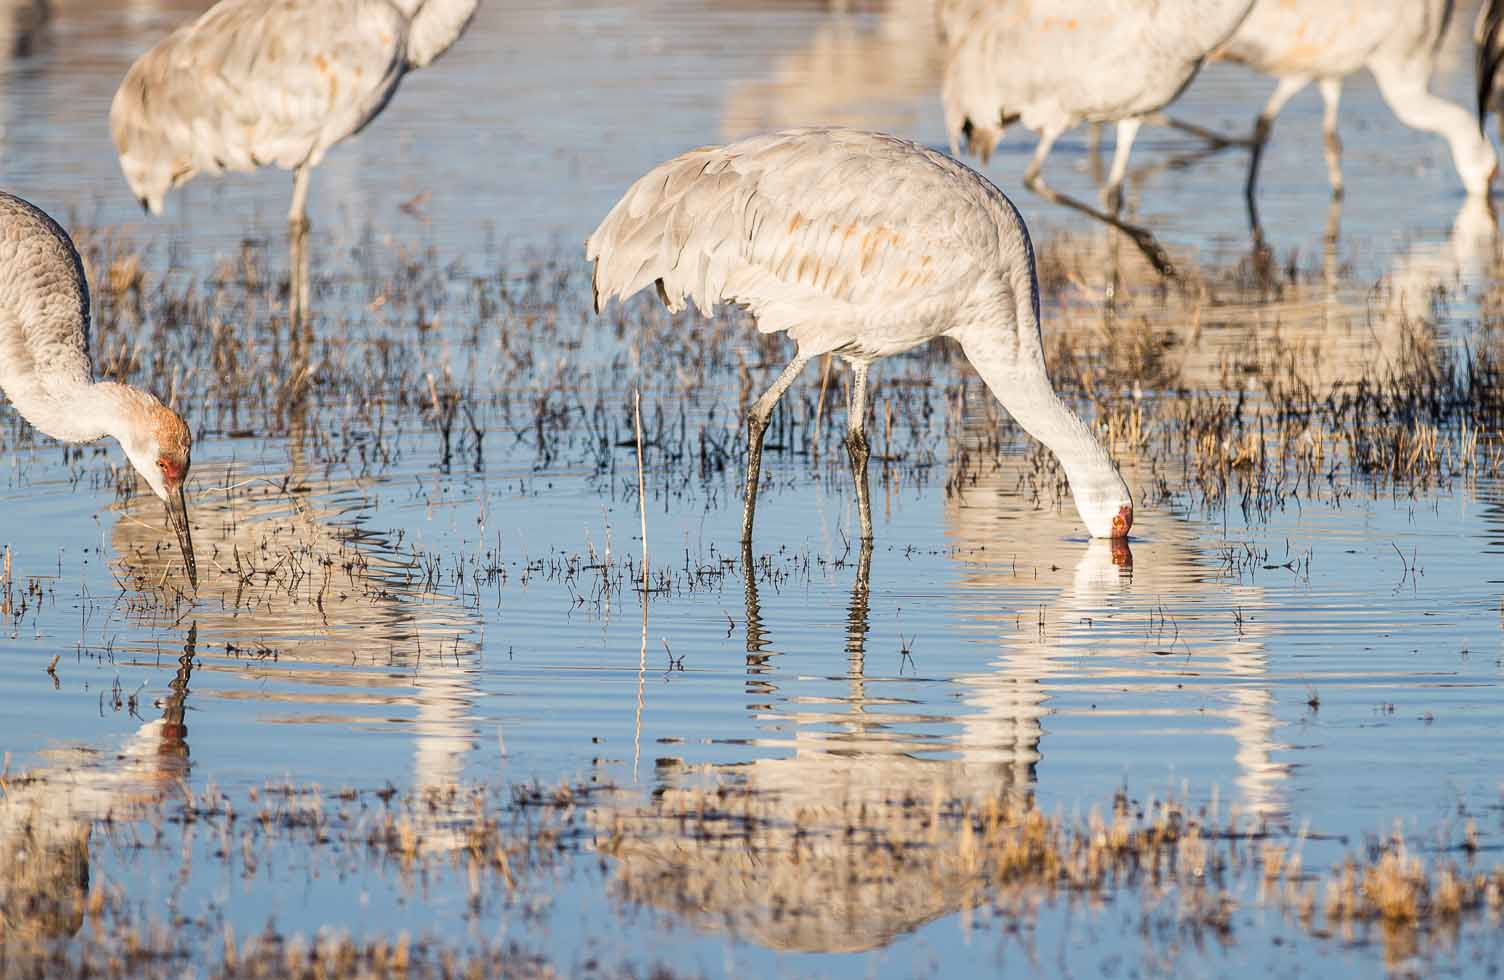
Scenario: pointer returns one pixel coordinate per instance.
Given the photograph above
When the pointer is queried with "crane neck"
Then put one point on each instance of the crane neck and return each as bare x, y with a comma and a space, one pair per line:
434, 26
82, 411
1010, 359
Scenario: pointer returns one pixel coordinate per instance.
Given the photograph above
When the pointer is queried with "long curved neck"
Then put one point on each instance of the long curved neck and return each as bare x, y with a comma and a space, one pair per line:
77, 411
1029, 397
435, 26
1010, 359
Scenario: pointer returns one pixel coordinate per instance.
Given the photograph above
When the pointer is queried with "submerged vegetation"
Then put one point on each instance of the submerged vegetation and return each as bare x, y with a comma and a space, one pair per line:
849, 874
430, 379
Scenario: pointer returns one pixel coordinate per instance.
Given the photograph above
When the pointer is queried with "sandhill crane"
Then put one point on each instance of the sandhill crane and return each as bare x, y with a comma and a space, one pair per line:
860, 245
1300, 41
257, 82
45, 370
1053, 66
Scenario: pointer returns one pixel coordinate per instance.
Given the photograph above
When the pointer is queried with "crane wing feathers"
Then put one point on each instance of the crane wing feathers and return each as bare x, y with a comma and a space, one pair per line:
1058, 63
44, 301
807, 219
251, 83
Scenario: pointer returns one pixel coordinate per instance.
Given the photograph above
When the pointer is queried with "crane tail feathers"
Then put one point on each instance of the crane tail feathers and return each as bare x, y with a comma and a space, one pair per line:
664, 232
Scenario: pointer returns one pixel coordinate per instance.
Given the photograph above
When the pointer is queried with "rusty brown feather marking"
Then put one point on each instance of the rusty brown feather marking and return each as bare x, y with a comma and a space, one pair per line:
174, 442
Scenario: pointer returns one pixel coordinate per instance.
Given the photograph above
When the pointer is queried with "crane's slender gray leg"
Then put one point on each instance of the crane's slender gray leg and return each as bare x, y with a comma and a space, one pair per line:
1141, 236
757, 424
856, 443
1283, 92
1112, 194
297, 234
1217, 140
1331, 97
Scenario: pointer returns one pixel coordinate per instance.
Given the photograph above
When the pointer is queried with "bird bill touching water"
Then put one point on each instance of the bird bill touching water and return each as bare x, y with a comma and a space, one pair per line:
177, 513
46, 373
860, 245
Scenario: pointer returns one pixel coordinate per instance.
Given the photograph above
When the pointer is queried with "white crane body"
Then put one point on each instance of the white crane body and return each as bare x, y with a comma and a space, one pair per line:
1056, 65
253, 83
860, 245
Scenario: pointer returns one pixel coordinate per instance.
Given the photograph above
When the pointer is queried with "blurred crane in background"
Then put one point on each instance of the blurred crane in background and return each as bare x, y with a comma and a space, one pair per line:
257, 82
1057, 65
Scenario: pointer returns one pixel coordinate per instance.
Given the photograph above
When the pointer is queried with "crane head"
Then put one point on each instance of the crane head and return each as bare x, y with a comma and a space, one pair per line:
160, 448
1104, 503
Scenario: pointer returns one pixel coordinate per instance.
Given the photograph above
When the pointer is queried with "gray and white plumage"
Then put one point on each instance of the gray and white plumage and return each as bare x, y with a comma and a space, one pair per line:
253, 83
45, 369
1301, 41
1056, 65
1052, 66
860, 245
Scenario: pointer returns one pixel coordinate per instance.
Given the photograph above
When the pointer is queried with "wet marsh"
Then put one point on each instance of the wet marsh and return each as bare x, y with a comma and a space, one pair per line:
423, 714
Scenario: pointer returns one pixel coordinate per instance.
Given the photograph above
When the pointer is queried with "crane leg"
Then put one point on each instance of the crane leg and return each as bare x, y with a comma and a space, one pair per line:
297, 235
1141, 236
1112, 194
1331, 97
1216, 140
1283, 92
856, 444
757, 424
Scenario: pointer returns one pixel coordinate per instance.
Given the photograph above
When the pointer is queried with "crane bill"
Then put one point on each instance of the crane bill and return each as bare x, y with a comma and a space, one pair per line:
177, 512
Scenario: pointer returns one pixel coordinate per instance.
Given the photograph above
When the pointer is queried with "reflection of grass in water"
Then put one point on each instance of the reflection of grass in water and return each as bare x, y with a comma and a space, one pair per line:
424, 364
420, 362
829, 877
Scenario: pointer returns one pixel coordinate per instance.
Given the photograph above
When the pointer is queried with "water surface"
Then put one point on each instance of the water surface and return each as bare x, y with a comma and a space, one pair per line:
419, 540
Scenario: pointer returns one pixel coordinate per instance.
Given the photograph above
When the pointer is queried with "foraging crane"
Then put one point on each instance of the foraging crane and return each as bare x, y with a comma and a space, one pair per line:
860, 245
1053, 66
1300, 41
257, 82
44, 363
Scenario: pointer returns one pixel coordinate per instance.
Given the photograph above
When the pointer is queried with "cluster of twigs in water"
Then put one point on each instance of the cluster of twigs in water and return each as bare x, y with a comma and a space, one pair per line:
420, 363
842, 870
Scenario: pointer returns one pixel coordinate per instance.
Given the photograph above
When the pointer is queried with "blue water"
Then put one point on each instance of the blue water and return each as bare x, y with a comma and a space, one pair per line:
369, 615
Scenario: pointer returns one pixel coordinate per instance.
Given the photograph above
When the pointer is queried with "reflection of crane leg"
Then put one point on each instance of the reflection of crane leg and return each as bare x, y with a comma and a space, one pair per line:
297, 233
856, 443
757, 424
1141, 236
1331, 95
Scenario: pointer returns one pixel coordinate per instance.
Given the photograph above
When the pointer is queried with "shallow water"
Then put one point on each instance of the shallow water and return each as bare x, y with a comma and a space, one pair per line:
1315, 652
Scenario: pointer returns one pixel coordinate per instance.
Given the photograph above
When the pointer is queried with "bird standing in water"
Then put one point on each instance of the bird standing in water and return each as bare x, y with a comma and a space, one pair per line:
45, 370
860, 245
1055, 65
257, 82
1399, 41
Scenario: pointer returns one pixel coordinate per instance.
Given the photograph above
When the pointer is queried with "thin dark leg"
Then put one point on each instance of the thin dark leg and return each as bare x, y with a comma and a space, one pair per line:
1141, 236
757, 424
856, 444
